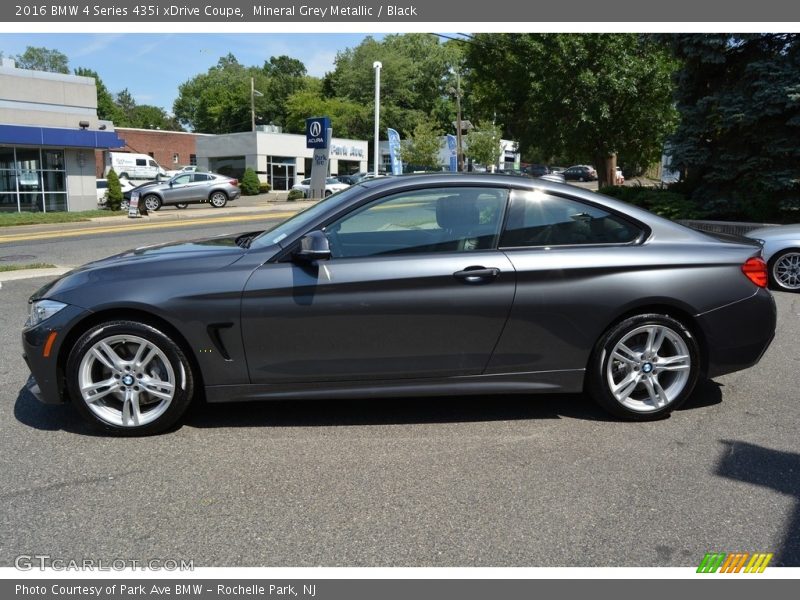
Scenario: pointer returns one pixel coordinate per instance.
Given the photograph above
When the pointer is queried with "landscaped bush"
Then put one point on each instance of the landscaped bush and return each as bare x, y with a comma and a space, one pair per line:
114, 193
264, 187
295, 195
665, 203
250, 182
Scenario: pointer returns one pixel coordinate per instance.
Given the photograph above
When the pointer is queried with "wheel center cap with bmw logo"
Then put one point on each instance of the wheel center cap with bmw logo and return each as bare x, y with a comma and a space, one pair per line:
128, 380
647, 368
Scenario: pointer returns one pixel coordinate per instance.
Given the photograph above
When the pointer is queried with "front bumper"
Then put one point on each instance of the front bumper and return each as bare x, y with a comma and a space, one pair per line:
47, 379
737, 335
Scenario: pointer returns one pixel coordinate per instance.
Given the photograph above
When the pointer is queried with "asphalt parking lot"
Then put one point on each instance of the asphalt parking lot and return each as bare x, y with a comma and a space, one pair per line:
489, 481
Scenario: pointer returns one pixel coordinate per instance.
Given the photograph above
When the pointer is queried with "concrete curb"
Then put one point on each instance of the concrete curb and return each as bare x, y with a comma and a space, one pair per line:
32, 273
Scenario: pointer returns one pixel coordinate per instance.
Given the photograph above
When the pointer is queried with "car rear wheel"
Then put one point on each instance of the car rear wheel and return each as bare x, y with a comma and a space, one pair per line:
152, 202
218, 199
124, 205
129, 378
123, 176
182, 205
784, 270
644, 367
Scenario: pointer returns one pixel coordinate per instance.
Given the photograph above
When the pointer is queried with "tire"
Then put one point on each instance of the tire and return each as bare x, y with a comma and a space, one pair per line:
638, 384
182, 205
784, 270
123, 175
125, 205
151, 202
328, 193
218, 199
138, 398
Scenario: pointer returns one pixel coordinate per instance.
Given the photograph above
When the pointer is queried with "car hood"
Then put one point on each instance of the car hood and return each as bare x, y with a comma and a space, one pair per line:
149, 264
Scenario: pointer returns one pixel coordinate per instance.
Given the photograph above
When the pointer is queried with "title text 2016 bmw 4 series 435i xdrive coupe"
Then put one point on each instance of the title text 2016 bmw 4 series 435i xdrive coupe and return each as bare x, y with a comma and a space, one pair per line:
422, 285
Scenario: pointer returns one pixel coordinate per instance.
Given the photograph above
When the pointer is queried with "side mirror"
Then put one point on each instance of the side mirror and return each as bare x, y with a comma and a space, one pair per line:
313, 246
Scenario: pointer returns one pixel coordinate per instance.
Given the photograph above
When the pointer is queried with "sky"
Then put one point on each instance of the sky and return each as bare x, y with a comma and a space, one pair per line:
152, 66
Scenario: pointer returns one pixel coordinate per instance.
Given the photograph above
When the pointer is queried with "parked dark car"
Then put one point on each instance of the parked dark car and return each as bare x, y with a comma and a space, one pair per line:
580, 173
184, 189
404, 286
351, 179
536, 170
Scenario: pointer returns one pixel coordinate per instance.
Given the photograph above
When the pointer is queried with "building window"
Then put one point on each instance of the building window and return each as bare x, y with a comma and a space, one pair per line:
32, 179
175, 158
151, 154
193, 159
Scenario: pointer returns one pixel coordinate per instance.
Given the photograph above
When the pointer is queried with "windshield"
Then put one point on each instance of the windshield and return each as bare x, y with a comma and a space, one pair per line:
303, 219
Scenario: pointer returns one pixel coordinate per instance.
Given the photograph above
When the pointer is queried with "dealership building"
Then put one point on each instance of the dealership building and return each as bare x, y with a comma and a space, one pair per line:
281, 159
49, 132
53, 146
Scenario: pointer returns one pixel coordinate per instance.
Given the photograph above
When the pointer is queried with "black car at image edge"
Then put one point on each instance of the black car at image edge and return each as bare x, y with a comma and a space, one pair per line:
444, 284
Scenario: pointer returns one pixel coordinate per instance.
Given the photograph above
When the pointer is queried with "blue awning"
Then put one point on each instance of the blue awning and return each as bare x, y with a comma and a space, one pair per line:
54, 136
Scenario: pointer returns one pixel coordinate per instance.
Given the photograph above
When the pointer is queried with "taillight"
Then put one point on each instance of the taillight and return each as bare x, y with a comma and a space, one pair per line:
756, 271
235, 182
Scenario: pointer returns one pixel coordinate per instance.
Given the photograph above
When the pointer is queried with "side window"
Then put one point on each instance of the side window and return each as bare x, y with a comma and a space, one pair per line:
182, 179
140, 162
431, 220
539, 219
200, 177
153, 163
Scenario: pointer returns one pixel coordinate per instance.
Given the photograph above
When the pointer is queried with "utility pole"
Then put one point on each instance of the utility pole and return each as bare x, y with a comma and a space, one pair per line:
459, 154
253, 93
377, 65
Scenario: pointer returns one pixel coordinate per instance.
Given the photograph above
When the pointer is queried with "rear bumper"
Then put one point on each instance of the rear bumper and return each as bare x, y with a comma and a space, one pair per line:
737, 335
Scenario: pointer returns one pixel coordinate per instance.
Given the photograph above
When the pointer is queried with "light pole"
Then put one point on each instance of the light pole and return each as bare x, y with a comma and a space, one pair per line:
253, 93
377, 153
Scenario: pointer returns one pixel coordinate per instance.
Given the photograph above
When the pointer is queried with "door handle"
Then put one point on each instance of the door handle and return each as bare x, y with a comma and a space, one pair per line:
477, 274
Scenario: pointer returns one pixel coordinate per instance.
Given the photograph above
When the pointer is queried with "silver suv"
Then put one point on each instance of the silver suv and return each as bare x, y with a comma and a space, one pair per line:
188, 188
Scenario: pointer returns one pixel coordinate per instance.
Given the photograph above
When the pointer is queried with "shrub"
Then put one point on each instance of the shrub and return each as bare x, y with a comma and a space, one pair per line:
114, 191
665, 203
264, 187
250, 182
295, 195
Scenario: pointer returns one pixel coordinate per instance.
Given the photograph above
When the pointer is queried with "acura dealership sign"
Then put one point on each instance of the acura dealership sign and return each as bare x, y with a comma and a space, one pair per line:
317, 132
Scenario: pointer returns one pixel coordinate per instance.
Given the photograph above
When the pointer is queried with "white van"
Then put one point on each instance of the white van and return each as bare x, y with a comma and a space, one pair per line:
133, 166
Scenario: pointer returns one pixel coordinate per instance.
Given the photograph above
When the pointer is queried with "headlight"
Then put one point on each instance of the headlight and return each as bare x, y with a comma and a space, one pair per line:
42, 310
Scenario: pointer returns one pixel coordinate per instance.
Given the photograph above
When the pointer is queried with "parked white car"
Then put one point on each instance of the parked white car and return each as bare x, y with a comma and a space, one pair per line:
186, 169
332, 185
102, 189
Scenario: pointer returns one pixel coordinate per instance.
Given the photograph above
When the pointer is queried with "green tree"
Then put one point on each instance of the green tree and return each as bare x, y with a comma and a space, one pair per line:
218, 101
43, 59
250, 182
587, 96
414, 80
739, 102
347, 117
483, 144
114, 191
421, 150
107, 109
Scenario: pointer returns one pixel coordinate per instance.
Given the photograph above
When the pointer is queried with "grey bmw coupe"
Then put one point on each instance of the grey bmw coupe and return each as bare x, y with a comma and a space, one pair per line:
406, 286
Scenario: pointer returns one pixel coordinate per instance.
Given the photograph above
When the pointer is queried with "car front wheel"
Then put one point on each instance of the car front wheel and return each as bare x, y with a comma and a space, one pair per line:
129, 378
784, 270
218, 199
644, 367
